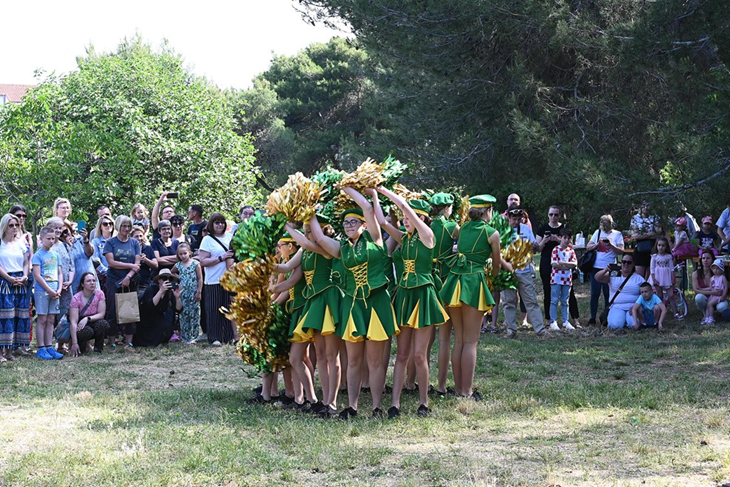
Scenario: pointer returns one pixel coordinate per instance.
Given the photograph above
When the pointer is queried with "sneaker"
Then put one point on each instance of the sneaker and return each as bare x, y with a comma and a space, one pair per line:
43, 354
475, 396
378, 413
347, 413
54, 354
257, 399
543, 333
423, 411
568, 326
511, 334
393, 412
327, 412
679, 316
316, 407
215, 344
175, 337
525, 324
554, 326
129, 348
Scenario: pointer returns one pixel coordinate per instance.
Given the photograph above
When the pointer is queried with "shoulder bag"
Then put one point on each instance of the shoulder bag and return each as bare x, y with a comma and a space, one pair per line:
588, 259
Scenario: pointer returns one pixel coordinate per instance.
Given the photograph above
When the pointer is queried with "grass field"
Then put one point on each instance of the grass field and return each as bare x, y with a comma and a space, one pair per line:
641, 408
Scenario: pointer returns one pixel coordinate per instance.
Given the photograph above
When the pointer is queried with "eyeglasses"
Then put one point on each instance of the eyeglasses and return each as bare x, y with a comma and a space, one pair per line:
126, 226
351, 223
20, 215
627, 262
553, 214
164, 228
13, 225
107, 224
176, 224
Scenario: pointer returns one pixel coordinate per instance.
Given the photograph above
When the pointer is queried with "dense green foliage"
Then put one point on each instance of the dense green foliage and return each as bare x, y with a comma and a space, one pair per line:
121, 129
591, 104
306, 109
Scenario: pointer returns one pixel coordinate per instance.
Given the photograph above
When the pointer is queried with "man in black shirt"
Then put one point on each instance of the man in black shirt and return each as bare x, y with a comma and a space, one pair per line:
195, 229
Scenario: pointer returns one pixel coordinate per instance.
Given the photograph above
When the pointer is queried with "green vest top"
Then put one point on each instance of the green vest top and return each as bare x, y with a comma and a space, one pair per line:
417, 262
364, 264
473, 248
443, 231
296, 295
338, 272
317, 271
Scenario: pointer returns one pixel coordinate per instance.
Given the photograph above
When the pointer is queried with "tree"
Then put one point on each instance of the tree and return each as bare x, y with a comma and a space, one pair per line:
305, 108
595, 105
121, 129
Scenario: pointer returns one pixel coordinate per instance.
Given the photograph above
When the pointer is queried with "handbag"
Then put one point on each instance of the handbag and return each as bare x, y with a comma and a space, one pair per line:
588, 259
127, 306
603, 318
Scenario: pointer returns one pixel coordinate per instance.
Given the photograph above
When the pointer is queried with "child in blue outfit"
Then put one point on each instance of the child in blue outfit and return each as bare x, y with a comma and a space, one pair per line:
647, 307
48, 282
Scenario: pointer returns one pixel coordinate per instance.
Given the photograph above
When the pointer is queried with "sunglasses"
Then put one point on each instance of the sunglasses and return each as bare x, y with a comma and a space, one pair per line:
20, 215
176, 224
13, 225
107, 224
553, 214
627, 262
219, 223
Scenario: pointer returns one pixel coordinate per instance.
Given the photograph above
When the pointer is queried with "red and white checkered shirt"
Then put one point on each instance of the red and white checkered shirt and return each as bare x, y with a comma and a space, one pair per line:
562, 276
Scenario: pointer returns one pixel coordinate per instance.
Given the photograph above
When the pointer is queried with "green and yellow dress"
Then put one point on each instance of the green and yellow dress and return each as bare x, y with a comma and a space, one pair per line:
295, 308
465, 282
366, 311
321, 311
417, 304
443, 233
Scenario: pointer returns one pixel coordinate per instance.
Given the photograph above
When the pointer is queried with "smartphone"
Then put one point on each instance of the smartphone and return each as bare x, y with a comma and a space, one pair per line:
171, 196
615, 267
80, 225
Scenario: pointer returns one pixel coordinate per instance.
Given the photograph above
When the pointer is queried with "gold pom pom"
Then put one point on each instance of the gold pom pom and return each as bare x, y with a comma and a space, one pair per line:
464, 210
369, 174
296, 199
519, 254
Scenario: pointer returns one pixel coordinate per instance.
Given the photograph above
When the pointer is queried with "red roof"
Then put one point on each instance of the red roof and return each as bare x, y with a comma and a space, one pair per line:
14, 92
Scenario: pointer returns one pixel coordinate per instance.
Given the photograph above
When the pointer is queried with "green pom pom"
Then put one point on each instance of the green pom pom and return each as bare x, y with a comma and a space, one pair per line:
258, 236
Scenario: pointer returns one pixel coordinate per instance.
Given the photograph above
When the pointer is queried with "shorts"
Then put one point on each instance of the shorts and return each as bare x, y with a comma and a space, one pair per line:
648, 317
44, 305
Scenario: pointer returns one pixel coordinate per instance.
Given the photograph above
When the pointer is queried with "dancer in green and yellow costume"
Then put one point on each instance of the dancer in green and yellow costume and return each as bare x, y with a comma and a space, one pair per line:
465, 291
367, 317
294, 286
417, 305
445, 231
320, 315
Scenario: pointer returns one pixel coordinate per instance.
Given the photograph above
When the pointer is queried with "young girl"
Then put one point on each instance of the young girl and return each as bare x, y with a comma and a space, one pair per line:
682, 246
191, 281
718, 283
140, 217
662, 278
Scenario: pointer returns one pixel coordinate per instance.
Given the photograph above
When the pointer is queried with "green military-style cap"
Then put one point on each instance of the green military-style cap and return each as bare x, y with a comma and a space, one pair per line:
482, 201
352, 213
421, 207
442, 199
